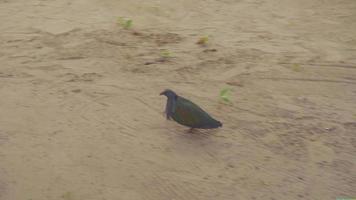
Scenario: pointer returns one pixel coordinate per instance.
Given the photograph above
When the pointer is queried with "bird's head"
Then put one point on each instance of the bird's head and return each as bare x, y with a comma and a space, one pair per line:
168, 93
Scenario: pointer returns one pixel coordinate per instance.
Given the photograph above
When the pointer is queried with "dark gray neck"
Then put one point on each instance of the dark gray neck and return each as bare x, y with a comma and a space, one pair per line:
171, 106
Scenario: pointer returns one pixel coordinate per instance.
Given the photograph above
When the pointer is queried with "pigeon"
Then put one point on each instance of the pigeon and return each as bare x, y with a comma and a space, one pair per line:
187, 113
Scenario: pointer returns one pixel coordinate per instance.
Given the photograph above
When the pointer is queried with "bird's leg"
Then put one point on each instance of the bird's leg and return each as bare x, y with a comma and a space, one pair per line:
191, 130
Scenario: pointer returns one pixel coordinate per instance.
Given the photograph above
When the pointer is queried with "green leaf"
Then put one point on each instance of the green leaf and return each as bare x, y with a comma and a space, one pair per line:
203, 40
225, 94
128, 24
165, 54
125, 23
296, 67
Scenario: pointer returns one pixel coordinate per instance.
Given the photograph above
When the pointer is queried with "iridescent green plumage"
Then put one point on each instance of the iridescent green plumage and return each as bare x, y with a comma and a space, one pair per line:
188, 113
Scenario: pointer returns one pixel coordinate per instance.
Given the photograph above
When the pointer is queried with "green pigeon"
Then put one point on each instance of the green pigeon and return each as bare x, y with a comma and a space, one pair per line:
187, 113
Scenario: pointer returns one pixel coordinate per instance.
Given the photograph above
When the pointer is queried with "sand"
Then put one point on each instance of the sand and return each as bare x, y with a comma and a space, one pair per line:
81, 116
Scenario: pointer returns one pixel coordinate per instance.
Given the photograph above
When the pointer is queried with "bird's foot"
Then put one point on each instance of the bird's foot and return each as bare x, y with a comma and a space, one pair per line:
191, 130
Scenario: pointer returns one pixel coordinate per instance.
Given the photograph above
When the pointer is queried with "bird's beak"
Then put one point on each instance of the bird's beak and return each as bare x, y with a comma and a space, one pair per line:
161, 93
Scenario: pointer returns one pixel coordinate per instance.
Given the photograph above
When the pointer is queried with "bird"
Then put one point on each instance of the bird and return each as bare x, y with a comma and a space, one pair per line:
187, 113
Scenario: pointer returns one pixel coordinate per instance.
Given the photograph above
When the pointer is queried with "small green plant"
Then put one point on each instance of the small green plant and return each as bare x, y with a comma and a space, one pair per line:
203, 40
296, 67
125, 23
165, 54
225, 95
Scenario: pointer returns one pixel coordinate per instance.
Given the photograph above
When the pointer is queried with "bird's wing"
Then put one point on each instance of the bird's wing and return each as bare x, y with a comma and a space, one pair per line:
190, 114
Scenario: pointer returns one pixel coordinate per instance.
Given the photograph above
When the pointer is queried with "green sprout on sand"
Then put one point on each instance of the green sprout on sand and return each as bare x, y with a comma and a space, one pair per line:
125, 23
296, 67
165, 54
203, 40
225, 95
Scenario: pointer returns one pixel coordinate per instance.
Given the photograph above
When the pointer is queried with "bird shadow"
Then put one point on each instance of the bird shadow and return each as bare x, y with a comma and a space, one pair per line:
196, 134
195, 142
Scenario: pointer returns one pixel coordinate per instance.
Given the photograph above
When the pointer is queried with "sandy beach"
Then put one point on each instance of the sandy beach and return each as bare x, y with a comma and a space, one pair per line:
81, 117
